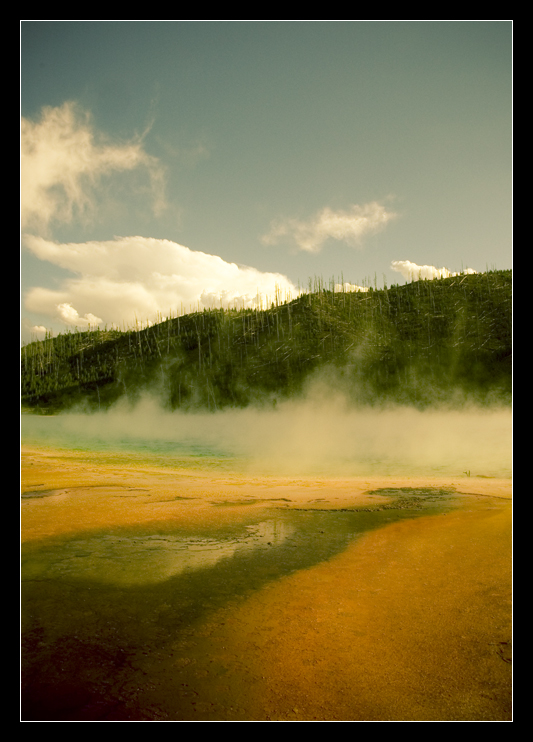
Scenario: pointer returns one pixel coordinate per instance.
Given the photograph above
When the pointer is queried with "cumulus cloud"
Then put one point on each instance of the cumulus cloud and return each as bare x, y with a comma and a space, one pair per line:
346, 226
131, 279
412, 271
348, 287
70, 316
62, 160
30, 332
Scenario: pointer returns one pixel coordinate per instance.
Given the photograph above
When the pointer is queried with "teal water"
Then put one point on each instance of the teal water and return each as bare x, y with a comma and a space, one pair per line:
295, 439
110, 617
93, 433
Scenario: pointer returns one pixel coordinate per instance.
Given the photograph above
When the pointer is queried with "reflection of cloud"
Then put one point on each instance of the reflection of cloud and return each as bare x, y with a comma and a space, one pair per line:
131, 278
61, 161
347, 226
414, 272
150, 559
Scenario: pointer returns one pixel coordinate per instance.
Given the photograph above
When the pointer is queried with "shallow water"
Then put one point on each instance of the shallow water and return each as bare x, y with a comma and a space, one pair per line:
115, 615
92, 433
96, 608
294, 439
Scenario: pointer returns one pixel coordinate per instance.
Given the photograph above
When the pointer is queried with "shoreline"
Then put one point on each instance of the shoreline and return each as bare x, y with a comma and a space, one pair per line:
71, 475
410, 621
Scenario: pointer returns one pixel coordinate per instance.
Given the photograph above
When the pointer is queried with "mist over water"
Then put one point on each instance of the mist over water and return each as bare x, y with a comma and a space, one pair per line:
315, 436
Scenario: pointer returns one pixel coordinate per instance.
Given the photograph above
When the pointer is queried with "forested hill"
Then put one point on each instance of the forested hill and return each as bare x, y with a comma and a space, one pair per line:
421, 343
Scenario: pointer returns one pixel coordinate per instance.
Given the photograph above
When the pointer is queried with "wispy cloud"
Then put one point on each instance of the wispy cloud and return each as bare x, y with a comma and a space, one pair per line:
346, 226
63, 159
412, 271
130, 278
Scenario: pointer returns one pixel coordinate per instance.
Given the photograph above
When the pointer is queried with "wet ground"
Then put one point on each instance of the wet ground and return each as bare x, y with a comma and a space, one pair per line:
156, 595
98, 608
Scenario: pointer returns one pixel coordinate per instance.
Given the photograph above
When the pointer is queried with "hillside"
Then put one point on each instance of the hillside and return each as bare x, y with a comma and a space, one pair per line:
421, 343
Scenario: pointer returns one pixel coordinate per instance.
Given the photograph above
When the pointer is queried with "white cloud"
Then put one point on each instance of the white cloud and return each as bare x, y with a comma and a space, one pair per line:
127, 279
30, 332
70, 317
414, 272
349, 287
62, 158
347, 226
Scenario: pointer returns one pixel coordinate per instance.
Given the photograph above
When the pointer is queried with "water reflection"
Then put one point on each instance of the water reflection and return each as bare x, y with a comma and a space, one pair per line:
100, 612
143, 559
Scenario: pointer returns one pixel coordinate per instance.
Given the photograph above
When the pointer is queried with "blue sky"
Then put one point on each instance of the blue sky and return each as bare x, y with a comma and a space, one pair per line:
172, 165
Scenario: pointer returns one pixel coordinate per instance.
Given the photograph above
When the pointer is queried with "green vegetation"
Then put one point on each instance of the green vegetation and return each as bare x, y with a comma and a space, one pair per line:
419, 344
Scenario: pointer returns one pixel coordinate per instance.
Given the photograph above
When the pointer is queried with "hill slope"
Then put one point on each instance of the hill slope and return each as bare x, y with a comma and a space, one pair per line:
421, 343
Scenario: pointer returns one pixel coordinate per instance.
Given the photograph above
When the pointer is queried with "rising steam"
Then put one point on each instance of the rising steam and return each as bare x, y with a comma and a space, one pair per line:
318, 435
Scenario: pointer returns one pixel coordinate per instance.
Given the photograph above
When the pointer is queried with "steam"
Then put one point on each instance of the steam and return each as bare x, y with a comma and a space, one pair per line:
319, 435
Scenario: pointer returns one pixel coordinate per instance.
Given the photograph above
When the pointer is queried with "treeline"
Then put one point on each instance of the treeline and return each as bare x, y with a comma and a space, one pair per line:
420, 343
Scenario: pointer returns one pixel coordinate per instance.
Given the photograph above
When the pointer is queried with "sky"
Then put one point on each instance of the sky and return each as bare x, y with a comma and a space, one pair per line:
169, 166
